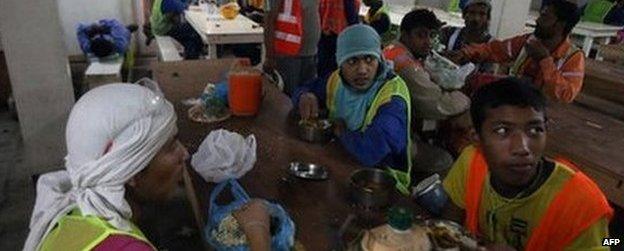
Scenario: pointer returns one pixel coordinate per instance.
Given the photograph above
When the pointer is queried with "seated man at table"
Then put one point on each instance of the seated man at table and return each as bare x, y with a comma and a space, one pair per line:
507, 192
546, 57
165, 20
369, 105
123, 158
432, 104
476, 14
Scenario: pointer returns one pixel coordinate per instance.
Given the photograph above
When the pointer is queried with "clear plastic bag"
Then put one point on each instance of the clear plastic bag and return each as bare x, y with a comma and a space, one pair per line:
447, 74
224, 155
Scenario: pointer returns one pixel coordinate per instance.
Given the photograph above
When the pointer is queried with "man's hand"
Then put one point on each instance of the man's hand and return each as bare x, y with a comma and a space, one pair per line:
254, 220
536, 50
308, 106
458, 57
339, 127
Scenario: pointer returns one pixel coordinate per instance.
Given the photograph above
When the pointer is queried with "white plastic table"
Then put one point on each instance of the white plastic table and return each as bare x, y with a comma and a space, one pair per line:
215, 30
397, 12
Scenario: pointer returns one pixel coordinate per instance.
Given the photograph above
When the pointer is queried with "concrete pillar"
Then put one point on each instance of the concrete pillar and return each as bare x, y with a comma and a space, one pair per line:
36, 57
509, 17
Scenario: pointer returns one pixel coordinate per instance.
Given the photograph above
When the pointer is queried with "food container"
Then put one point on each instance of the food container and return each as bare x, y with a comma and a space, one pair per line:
315, 131
308, 171
372, 188
245, 91
430, 195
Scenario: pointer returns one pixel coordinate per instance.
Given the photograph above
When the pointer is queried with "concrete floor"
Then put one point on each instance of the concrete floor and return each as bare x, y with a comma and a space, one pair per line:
16, 188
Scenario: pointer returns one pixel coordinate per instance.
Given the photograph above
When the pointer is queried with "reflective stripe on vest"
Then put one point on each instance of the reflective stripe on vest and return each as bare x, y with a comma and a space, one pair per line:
394, 87
523, 56
77, 232
453, 39
572, 210
288, 28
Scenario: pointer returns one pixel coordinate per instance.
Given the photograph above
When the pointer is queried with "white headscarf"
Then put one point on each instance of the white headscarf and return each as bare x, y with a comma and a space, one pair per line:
131, 122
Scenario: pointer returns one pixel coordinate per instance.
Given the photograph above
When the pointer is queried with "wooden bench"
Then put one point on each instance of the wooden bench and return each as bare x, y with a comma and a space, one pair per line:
603, 88
167, 50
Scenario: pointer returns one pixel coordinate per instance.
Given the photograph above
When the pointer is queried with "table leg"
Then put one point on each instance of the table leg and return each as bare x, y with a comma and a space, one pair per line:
587, 45
212, 51
607, 40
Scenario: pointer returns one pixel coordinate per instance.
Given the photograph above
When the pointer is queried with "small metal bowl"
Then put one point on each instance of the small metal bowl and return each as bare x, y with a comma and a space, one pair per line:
319, 133
308, 171
372, 187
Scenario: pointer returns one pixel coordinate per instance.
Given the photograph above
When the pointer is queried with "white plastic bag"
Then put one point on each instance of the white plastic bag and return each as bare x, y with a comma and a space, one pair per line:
224, 155
447, 74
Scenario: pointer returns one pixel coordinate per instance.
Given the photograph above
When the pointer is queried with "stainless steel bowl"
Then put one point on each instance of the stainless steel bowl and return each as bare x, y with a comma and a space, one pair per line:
372, 187
319, 133
308, 171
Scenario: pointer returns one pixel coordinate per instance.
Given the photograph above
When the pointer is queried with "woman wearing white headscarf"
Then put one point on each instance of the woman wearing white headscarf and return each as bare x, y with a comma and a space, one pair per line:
122, 152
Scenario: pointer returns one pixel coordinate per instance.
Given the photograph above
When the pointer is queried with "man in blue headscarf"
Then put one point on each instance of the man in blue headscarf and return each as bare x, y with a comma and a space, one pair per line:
369, 104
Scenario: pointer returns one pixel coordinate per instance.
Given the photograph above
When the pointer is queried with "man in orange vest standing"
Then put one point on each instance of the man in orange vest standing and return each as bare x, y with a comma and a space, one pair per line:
546, 57
504, 189
292, 31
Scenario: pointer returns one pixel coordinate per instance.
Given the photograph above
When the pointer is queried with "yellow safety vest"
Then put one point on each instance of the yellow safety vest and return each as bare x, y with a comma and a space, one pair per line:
77, 232
394, 87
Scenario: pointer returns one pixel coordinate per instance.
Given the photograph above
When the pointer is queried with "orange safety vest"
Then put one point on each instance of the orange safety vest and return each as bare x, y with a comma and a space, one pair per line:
400, 57
288, 28
577, 206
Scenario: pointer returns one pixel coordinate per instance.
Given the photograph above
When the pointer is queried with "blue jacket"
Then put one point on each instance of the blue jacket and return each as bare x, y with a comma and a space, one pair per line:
116, 32
383, 143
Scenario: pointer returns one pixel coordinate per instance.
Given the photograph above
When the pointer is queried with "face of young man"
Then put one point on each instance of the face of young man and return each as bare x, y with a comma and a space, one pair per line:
419, 41
513, 140
360, 71
547, 24
476, 17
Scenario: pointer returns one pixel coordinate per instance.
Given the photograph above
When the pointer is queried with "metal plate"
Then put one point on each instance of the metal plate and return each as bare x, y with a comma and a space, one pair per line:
308, 171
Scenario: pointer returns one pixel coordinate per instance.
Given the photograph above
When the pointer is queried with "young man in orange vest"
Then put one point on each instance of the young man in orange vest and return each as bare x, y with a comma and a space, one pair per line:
433, 105
546, 57
292, 31
507, 193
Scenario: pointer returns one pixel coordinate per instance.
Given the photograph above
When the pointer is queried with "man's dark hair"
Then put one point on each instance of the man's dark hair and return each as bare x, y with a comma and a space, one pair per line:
489, 9
566, 12
420, 18
102, 47
508, 91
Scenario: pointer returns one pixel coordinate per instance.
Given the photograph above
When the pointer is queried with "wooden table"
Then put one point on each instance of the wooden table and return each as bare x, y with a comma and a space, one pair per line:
592, 140
318, 208
215, 30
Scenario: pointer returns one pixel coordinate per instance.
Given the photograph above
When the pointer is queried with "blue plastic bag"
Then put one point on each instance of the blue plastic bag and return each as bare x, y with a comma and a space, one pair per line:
283, 238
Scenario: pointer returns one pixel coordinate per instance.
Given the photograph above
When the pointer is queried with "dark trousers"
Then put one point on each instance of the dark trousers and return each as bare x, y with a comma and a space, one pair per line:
188, 37
326, 55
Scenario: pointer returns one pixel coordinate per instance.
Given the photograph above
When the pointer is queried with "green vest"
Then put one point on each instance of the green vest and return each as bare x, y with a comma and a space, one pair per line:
392, 33
161, 23
394, 87
76, 232
597, 10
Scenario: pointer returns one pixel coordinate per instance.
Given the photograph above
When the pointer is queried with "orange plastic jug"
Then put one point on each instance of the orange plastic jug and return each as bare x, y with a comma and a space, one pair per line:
245, 91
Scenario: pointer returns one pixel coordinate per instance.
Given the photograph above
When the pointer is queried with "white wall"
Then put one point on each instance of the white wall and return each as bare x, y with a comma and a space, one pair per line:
73, 12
